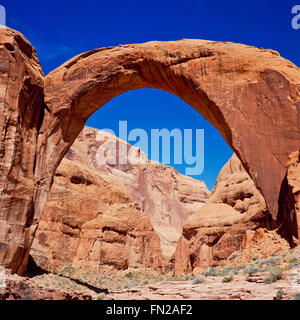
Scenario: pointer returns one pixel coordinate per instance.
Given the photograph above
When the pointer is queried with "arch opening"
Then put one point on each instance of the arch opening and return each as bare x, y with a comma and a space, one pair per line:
250, 95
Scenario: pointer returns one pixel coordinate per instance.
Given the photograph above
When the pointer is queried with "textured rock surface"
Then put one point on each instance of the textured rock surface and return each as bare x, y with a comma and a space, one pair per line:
243, 91
289, 210
90, 221
209, 237
21, 111
18, 288
220, 227
240, 288
235, 188
165, 195
259, 244
250, 95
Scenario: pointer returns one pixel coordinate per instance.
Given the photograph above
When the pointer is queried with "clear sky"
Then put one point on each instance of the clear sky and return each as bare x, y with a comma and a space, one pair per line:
61, 29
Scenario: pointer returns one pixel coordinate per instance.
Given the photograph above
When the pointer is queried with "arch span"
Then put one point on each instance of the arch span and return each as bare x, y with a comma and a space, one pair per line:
250, 95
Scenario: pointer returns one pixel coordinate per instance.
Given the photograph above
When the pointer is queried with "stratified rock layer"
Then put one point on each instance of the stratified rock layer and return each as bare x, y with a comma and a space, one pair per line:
21, 112
90, 221
165, 195
221, 226
289, 211
250, 95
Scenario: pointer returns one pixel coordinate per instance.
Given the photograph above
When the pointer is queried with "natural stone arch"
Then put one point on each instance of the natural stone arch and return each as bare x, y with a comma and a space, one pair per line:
250, 95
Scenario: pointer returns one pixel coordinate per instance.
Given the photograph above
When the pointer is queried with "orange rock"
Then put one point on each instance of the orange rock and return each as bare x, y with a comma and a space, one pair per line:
263, 244
243, 91
90, 221
21, 114
165, 195
225, 224
289, 202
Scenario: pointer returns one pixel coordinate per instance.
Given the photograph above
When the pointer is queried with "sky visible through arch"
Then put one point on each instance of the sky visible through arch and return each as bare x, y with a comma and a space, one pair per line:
60, 30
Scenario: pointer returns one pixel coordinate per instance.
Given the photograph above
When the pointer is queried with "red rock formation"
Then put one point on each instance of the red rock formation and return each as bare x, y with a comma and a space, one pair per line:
222, 226
259, 244
90, 221
289, 201
165, 195
24, 289
250, 95
21, 111
243, 91
235, 188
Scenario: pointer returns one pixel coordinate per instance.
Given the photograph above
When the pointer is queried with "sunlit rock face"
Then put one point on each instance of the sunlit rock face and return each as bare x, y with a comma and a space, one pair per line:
167, 197
91, 222
235, 210
251, 95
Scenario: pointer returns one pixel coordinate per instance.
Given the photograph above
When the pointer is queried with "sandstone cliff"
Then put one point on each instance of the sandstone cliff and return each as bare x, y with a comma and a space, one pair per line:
167, 196
219, 228
289, 201
90, 221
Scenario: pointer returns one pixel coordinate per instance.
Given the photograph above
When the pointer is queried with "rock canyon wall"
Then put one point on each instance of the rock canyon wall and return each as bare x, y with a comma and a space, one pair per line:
235, 210
251, 95
88, 197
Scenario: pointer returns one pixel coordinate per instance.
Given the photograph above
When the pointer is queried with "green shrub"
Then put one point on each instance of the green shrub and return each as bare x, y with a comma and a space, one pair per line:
211, 272
279, 295
275, 274
198, 281
297, 296
129, 275
228, 278
225, 271
130, 285
251, 270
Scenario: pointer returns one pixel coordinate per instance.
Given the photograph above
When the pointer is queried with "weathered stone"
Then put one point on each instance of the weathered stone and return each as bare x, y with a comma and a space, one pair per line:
250, 95
91, 222
165, 195
289, 202
226, 224
21, 114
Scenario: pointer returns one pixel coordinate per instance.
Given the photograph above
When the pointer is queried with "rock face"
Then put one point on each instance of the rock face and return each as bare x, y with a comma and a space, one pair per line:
235, 188
21, 112
250, 95
221, 226
243, 91
90, 221
259, 244
165, 195
289, 209
24, 289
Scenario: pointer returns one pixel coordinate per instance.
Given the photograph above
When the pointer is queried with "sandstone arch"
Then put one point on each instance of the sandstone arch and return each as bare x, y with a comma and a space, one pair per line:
250, 95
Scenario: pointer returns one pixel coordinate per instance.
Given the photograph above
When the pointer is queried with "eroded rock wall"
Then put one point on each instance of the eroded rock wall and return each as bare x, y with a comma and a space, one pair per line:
90, 221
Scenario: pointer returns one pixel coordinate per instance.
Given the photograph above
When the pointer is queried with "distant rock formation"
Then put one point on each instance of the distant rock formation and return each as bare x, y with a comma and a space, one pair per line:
165, 195
90, 221
219, 227
251, 95
289, 202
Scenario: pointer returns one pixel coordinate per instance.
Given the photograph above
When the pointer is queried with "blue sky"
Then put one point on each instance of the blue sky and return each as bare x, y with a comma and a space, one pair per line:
61, 29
